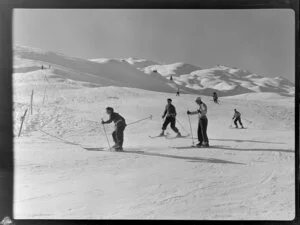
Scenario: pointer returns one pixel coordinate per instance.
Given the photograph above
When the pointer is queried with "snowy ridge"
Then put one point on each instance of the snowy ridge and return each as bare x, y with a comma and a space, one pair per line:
149, 75
175, 69
230, 81
113, 71
140, 63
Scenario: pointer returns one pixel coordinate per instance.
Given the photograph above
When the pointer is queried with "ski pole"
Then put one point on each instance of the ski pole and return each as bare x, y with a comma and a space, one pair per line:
181, 125
106, 135
249, 121
149, 117
231, 123
191, 129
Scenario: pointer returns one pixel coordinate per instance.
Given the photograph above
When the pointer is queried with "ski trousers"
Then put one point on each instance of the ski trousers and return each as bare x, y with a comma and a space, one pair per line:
172, 120
238, 119
118, 134
202, 130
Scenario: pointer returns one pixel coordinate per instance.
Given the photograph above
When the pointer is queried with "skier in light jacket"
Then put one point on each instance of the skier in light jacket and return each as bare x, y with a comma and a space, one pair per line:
202, 123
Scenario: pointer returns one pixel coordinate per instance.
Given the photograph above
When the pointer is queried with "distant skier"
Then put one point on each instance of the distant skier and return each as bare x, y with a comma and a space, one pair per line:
120, 124
178, 92
215, 98
171, 78
202, 124
42, 67
170, 117
237, 118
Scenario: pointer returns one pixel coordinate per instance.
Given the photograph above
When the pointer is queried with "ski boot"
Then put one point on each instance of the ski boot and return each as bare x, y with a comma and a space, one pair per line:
206, 145
178, 135
162, 134
199, 145
118, 148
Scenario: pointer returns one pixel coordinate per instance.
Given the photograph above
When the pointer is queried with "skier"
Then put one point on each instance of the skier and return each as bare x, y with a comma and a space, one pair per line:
120, 124
170, 114
237, 118
178, 92
202, 124
215, 97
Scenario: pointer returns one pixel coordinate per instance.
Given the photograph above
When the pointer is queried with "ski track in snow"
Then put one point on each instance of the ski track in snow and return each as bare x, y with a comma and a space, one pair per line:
60, 172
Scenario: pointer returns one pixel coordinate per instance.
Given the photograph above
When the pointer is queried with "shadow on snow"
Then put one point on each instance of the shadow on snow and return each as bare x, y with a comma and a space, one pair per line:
254, 141
62, 140
94, 149
240, 149
194, 159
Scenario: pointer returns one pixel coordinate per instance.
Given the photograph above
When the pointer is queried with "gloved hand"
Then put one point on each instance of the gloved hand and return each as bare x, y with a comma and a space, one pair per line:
102, 121
199, 111
188, 112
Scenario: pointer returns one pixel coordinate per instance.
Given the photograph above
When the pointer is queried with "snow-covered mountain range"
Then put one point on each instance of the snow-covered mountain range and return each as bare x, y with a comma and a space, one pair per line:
153, 76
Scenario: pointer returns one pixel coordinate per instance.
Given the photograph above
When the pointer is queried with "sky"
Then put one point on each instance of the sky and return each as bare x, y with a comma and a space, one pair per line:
259, 40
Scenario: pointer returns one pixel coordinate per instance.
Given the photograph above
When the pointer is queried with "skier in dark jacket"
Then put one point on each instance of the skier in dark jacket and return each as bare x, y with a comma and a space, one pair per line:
202, 124
170, 114
237, 118
215, 97
120, 124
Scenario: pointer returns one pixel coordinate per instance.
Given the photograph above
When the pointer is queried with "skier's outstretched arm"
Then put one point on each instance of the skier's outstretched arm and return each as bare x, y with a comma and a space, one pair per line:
192, 112
233, 116
108, 121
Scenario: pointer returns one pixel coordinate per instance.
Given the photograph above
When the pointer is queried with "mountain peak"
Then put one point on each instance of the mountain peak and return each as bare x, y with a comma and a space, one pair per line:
150, 75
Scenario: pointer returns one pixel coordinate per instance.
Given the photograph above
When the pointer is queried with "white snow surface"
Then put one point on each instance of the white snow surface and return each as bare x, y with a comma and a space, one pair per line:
62, 172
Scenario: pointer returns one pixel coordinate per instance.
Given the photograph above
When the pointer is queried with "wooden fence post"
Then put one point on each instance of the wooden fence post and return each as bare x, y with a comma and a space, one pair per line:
22, 118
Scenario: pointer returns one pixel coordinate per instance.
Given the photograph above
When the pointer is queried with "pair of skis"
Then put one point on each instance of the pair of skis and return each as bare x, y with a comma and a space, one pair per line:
168, 137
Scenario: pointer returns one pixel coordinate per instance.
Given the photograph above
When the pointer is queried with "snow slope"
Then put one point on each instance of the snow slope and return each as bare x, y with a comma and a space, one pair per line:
149, 75
61, 171
105, 74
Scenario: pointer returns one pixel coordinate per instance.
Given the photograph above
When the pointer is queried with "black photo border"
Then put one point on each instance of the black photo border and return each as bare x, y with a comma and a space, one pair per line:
6, 107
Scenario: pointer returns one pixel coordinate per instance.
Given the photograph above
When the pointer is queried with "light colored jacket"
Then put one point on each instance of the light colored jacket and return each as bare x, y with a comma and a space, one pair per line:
202, 111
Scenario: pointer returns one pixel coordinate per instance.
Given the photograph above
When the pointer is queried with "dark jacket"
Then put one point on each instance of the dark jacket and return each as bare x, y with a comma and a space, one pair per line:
169, 110
236, 115
116, 118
